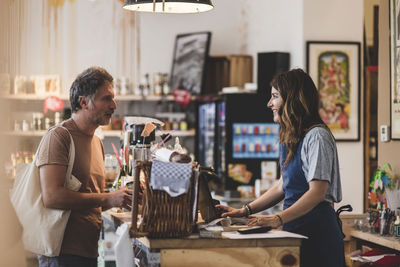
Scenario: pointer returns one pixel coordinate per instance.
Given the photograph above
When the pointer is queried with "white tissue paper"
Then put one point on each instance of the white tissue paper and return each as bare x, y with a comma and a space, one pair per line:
123, 247
163, 154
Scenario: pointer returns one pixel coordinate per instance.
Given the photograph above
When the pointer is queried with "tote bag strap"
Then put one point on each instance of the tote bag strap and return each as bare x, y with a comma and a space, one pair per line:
71, 155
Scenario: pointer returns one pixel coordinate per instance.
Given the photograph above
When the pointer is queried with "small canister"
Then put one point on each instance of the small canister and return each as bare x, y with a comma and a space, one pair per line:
25, 126
175, 125
47, 123
397, 227
183, 125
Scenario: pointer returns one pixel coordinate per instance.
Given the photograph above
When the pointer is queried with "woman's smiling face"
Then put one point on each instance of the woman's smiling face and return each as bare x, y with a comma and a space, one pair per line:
275, 103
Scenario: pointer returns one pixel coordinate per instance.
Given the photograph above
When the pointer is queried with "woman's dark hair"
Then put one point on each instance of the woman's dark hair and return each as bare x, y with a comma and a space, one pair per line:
299, 109
86, 84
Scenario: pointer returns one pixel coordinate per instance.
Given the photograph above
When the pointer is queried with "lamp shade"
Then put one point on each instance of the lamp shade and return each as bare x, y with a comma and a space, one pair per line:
169, 6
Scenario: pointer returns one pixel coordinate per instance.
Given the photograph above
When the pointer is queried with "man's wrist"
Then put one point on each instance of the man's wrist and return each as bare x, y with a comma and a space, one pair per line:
104, 201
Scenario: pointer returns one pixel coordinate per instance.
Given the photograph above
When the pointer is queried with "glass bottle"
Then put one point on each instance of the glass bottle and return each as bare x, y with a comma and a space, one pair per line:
120, 179
397, 227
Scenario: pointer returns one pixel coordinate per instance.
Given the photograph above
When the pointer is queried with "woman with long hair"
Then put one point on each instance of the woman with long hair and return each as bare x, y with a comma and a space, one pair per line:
310, 180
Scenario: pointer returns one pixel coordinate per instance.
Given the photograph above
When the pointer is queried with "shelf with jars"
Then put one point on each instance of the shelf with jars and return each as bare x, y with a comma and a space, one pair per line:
28, 120
26, 97
31, 97
36, 97
107, 133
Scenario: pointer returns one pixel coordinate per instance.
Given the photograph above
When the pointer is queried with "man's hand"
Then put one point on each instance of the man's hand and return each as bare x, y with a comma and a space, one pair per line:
122, 198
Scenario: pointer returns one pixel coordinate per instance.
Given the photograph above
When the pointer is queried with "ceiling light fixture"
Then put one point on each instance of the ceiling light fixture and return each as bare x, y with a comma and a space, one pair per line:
169, 6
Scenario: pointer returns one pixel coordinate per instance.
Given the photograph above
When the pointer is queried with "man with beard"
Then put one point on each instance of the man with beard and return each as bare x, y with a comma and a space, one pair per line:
92, 104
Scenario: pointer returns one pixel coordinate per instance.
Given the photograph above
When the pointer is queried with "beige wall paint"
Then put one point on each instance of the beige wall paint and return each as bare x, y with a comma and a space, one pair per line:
321, 25
389, 151
296, 23
369, 20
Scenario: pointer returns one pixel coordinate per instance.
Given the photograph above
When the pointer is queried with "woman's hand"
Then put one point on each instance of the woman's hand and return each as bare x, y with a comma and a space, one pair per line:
231, 212
273, 221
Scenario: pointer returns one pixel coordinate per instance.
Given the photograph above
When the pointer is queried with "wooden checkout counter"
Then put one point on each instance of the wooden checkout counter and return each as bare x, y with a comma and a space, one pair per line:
196, 251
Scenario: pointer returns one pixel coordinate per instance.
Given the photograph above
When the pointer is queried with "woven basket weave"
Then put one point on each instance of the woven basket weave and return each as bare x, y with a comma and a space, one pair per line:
163, 215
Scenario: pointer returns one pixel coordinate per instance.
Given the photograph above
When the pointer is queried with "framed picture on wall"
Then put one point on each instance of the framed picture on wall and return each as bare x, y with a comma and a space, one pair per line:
335, 69
395, 69
191, 52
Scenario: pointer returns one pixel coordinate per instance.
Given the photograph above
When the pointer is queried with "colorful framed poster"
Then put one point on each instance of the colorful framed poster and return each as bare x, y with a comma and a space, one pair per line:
395, 69
335, 69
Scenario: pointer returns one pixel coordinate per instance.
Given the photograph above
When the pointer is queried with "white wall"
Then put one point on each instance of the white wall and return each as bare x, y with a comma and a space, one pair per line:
237, 26
100, 33
72, 37
158, 32
252, 26
275, 26
341, 20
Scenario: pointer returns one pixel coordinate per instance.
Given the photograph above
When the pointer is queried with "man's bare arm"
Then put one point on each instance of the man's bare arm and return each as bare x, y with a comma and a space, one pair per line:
52, 178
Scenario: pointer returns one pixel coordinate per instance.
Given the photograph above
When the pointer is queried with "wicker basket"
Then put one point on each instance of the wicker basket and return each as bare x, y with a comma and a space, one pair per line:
163, 215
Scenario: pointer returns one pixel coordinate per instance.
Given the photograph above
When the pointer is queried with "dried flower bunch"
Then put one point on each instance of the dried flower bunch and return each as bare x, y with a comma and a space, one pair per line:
382, 179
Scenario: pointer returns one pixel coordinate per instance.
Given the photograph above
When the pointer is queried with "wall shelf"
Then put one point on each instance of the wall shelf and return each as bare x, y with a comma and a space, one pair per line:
386, 241
24, 133
31, 97
35, 97
110, 133
188, 133
143, 98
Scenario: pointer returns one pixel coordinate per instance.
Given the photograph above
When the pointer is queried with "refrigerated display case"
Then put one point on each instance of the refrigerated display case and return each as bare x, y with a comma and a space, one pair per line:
244, 139
206, 134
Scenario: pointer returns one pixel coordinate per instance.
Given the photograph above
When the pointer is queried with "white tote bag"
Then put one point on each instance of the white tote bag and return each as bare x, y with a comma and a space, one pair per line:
43, 228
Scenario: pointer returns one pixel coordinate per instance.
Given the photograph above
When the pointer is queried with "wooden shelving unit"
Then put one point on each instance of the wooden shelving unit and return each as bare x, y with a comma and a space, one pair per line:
385, 241
24, 133
191, 132
35, 97
31, 97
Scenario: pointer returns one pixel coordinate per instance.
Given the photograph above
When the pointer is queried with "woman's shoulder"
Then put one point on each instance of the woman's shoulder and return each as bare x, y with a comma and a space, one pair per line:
321, 133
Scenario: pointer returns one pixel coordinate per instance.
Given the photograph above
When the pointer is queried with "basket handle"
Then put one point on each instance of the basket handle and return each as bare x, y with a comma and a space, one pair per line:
135, 201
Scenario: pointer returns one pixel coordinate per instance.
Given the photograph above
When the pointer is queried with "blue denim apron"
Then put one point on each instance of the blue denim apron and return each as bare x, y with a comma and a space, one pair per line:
324, 246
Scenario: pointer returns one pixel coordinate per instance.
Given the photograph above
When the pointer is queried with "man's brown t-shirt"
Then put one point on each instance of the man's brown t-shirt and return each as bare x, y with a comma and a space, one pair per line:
83, 228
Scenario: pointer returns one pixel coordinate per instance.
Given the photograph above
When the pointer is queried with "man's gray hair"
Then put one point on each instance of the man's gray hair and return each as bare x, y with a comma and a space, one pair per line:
87, 84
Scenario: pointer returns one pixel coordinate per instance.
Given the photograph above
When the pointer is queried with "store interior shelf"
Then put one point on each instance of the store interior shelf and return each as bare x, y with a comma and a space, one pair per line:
110, 133
26, 97
144, 98
37, 97
190, 132
24, 133
390, 242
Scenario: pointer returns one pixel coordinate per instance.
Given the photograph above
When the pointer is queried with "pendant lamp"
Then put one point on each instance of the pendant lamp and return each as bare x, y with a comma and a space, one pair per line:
169, 6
